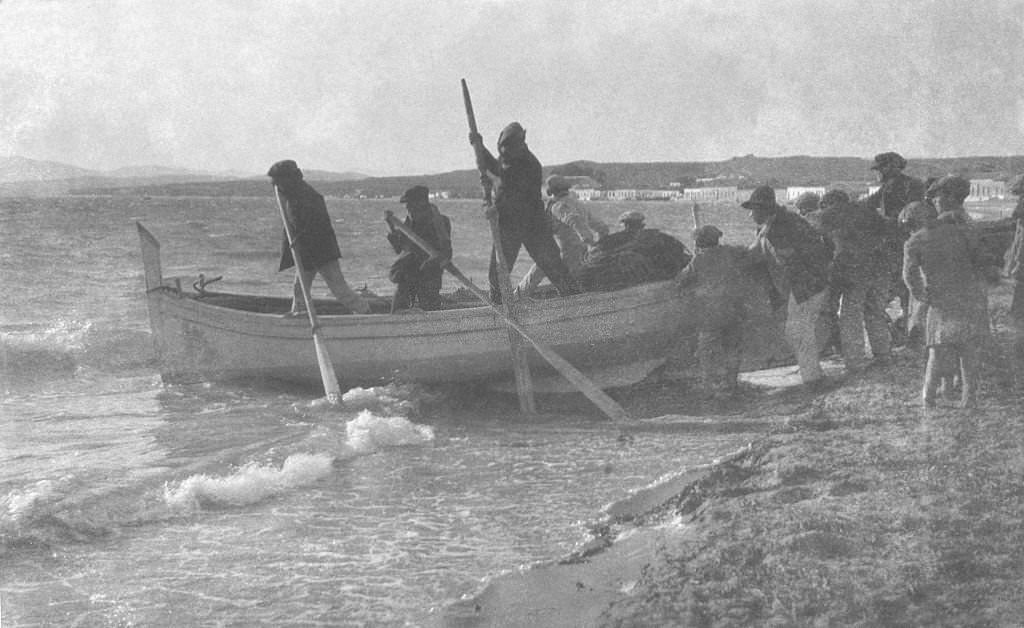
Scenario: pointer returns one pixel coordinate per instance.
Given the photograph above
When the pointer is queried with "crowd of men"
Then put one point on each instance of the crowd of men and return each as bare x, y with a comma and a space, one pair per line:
835, 264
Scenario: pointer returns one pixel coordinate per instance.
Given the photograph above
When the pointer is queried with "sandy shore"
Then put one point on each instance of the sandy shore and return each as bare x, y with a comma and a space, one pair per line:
856, 507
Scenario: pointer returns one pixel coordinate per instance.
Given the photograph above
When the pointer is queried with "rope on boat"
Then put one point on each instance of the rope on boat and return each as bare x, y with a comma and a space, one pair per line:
200, 284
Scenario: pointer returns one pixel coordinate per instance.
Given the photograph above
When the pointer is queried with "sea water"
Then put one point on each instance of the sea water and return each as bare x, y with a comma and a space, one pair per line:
125, 501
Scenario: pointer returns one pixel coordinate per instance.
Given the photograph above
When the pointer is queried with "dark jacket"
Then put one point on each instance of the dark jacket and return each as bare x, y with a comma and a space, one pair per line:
894, 194
517, 196
858, 235
310, 225
797, 255
437, 232
723, 283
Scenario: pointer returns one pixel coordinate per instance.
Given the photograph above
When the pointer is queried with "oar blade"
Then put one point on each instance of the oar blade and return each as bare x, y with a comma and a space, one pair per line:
331, 388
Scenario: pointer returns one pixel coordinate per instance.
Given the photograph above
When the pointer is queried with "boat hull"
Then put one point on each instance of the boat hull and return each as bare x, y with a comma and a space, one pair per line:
199, 337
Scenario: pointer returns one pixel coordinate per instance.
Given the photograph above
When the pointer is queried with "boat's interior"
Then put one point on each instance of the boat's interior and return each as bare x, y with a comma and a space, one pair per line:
459, 299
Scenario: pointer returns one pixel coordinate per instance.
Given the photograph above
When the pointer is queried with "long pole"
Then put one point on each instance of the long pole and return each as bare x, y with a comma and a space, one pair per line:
521, 368
331, 389
606, 404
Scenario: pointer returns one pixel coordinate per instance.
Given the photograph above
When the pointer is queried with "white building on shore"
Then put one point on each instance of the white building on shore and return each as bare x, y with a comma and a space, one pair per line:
727, 194
987, 189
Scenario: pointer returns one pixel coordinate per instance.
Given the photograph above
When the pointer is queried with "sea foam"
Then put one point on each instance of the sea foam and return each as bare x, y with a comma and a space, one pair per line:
253, 482
250, 484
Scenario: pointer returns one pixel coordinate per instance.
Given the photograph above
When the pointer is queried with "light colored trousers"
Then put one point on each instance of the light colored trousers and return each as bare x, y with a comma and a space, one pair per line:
803, 330
862, 307
331, 272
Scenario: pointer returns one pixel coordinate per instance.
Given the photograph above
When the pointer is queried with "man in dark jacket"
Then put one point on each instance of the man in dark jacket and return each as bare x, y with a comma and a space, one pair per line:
895, 191
315, 242
860, 275
419, 280
722, 283
797, 259
522, 220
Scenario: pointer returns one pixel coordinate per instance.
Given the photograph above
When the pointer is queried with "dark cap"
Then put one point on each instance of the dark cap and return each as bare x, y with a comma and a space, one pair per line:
807, 202
514, 132
883, 160
763, 197
706, 236
558, 182
631, 216
835, 197
954, 185
285, 169
415, 194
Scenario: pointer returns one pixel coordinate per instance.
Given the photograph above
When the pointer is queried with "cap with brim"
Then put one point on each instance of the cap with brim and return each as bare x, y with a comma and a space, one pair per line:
285, 169
631, 216
763, 197
883, 160
707, 235
417, 193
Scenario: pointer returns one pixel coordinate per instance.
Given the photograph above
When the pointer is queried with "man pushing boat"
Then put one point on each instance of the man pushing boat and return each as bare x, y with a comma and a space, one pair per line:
521, 215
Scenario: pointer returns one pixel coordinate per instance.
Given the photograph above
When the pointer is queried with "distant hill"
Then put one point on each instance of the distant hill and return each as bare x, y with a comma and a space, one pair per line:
745, 172
20, 176
23, 169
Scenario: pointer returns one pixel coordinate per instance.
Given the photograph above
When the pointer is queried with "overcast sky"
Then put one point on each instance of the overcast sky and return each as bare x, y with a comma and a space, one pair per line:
373, 86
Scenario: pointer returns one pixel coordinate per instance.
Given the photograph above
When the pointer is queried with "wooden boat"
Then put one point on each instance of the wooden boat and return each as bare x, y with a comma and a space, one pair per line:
616, 338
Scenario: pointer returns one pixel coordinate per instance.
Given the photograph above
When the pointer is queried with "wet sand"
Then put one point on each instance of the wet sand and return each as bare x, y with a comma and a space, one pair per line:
856, 507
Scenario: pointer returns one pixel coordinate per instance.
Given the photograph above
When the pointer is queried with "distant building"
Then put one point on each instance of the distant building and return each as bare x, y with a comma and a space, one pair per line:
587, 194
621, 195
794, 192
987, 189
442, 194
710, 195
656, 195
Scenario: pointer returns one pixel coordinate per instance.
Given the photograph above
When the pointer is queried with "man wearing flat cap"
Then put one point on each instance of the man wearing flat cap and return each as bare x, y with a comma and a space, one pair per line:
797, 259
522, 220
895, 191
722, 283
315, 244
417, 277
575, 228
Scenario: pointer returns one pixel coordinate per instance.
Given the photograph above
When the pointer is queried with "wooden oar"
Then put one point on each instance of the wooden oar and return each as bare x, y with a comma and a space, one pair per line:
606, 404
524, 382
331, 389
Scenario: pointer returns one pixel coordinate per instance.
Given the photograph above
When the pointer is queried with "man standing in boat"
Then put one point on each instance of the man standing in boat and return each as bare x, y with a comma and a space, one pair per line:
417, 277
576, 229
315, 241
521, 216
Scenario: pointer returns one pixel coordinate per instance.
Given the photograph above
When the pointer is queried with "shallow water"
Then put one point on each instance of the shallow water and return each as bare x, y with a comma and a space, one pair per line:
124, 501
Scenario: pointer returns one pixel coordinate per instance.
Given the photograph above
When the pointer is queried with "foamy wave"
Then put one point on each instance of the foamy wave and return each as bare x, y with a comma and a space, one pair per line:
400, 399
364, 435
26, 354
250, 484
368, 433
64, 333
68, 344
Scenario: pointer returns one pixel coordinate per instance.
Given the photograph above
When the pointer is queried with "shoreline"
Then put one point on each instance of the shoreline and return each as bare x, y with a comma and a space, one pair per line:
856, 507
